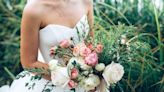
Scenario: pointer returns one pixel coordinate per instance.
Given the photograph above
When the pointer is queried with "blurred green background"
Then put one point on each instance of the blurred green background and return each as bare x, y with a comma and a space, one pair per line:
147, 16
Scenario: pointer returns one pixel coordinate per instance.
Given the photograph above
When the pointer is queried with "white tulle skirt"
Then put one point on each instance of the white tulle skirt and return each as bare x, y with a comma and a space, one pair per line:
28, 82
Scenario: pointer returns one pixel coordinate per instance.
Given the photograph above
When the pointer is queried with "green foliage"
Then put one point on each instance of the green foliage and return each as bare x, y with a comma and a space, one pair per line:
135, 55
147, 19
144, 63
10, 16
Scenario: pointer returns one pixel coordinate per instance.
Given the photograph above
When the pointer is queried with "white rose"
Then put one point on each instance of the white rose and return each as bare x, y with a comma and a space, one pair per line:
80, 61
60, 76
113, 73
90, 83
100, 67
53, 64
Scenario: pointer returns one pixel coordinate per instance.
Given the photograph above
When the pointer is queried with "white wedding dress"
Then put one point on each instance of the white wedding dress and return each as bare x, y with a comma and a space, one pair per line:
49, 36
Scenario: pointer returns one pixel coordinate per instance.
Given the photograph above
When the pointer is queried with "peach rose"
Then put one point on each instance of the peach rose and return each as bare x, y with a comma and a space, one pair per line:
76, 49
99, 48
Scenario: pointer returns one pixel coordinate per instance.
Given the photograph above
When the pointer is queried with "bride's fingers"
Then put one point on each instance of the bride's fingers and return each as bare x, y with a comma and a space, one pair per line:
93, 90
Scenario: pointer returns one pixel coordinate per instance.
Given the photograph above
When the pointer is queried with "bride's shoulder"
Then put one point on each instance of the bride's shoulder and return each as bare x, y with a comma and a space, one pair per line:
34, 9
88, 2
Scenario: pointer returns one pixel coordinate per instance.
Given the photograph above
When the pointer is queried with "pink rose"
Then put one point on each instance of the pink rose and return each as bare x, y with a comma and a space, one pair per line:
65, 43
84, 51
99, 48
91, 59
74, 73
90, 46
72, 84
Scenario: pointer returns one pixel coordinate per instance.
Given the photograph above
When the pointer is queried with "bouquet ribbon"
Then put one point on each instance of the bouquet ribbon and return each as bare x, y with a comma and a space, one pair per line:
103, 86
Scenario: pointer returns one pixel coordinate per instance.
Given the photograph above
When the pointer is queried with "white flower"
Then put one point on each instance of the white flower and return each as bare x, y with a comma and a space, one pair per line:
123, 39
53, 64
113, 73
80, 61
100, 67
60, 76
90, 83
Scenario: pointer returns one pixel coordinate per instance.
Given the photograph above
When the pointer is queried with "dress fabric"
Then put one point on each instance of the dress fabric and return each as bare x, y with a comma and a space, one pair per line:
49, 36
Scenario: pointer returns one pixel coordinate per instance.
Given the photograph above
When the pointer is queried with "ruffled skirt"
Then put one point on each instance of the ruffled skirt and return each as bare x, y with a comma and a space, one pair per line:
28, 82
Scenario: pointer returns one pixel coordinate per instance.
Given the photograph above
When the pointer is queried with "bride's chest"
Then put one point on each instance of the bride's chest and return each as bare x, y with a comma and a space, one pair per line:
53, 34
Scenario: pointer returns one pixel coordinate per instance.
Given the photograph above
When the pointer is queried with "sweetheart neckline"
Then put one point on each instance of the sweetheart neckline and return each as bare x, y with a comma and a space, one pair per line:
71, 28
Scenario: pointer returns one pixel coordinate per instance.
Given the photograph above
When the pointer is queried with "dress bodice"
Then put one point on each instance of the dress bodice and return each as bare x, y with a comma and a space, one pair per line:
53, 34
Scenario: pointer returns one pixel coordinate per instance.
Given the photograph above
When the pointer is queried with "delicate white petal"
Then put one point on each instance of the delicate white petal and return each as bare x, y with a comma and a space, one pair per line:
60, 77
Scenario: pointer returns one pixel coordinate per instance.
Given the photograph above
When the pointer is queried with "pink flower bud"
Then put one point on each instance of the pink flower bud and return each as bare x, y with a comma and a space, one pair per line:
72, 84
74, 73
90, 46
65, 43
52, 50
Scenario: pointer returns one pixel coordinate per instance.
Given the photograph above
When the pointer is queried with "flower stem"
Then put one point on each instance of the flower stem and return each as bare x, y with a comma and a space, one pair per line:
73, 90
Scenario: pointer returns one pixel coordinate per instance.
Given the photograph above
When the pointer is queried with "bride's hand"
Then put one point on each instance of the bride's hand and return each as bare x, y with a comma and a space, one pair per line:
47, 77
93, 90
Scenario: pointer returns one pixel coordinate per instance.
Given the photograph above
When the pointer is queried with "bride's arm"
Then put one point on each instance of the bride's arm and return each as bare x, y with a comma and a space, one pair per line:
90, 16
31, 21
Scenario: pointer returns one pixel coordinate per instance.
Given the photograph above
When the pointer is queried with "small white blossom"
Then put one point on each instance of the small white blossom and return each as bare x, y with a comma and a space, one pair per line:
100, 67
91, 82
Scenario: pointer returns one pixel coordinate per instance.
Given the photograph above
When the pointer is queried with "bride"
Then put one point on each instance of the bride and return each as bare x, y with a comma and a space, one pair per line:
44, 24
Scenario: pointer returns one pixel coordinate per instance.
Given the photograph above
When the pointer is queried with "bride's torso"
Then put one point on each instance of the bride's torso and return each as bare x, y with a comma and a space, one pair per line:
57, 24
53, 34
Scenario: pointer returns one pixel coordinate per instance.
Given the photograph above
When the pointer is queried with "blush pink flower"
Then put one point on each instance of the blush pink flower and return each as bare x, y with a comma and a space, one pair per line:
76, 49
72, 84
90, 46
65, 43
84, 51
74, 73
91, 59
99, 48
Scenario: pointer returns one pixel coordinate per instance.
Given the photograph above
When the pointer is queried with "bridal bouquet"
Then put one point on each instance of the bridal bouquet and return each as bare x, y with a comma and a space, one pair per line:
81, 66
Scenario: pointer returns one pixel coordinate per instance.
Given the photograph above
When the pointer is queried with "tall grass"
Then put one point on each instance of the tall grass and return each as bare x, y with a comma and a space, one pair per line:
161, 51
10, 16
145, 74
148, 19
